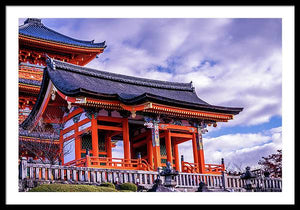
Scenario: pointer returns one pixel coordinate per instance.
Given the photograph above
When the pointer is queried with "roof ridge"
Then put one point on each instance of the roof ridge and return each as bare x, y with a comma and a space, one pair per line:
37, 22
78, 40
118, 77
32, 65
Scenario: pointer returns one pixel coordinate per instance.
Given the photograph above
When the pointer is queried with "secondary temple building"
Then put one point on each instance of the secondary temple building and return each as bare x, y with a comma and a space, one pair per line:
88, 110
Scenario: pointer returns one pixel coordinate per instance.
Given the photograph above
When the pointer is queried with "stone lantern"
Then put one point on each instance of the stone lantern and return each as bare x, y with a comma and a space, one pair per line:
169, 181
169, 174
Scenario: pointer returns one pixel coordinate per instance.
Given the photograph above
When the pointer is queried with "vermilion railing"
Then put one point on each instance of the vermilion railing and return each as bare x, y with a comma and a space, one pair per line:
79, 163
214, 168
187, 167
111, 163
140, 164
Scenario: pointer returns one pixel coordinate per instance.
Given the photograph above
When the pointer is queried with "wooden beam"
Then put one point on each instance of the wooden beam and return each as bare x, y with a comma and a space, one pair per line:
72, 114
182, 135
139, 143
176, 127
181, 140
109, 128
110, 119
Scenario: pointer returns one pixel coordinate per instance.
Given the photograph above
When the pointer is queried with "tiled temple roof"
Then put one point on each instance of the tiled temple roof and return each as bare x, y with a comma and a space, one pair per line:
30, 82
84, 72
73, 80
38, 135
78, 81
33, 27
30, 78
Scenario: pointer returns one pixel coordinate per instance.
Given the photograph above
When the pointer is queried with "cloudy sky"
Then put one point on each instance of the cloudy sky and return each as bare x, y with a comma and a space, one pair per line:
231, 62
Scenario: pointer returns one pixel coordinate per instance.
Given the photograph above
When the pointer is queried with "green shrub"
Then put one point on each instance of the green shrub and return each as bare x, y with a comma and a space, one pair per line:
71, 188
124, 191
128, 186
108, 184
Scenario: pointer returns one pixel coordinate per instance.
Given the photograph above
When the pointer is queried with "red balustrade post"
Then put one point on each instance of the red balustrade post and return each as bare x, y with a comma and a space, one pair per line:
182, 164
88, 161
223, 164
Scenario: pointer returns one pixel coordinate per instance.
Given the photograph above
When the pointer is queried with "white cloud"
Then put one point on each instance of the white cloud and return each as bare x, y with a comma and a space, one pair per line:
246, 65
243, 149
232, 62
238, 150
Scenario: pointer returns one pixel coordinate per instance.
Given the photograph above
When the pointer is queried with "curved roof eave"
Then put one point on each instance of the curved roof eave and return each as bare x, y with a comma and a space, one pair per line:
184, 88
34, 28
53, 68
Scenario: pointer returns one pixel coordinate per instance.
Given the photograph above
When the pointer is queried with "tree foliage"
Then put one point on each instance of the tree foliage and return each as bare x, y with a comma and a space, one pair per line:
272, 164
45, 145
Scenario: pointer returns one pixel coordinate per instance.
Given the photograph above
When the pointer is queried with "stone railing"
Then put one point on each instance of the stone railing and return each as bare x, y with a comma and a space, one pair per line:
35, 174
192, 180
257, 184
32, 174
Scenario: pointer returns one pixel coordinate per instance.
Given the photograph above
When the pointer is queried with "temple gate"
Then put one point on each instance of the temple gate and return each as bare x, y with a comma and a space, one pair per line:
90, 110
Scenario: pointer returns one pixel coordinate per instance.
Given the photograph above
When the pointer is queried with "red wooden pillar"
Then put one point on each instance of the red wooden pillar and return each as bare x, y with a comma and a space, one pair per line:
156, 146
94, 127
126, 142
77, 144
61, 147
195, 151
88, 161
176, 156
108, 146
150, 150
200, 151
168, 147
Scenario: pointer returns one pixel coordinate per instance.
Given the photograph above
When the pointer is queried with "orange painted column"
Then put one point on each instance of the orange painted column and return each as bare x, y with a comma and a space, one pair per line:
61, 147
126, 142
200, 151
150, 151
94, 127
168, 147
77, 144
88, 161
108, 146
176, 156
156, 146
195, 151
